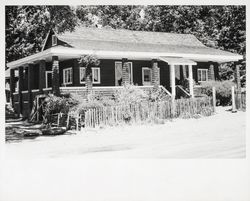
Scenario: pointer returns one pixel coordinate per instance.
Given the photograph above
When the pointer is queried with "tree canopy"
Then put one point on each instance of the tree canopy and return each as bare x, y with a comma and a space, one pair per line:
27, 26
222, 27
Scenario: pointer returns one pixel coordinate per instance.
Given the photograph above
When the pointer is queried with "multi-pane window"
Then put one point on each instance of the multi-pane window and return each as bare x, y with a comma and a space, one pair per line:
146, 76
202, 75
96, 78
67, 76
82, 75
118, 72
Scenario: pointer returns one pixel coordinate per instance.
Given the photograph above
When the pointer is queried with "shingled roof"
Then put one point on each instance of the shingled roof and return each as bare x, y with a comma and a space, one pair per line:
136, 41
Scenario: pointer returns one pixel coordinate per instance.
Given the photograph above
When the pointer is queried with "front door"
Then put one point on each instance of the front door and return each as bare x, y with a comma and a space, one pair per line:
146, 76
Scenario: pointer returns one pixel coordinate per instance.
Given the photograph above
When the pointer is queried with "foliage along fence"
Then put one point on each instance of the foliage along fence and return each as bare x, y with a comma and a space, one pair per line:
154, 112
144, 112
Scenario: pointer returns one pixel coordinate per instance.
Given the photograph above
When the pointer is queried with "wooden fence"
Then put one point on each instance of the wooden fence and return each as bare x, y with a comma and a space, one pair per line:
143, 112
146, 112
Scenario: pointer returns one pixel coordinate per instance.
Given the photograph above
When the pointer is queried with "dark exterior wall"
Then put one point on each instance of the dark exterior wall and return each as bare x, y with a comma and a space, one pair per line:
137, 70
35, 83
200, 65
107, 71
164, 74
63, 65
205, 65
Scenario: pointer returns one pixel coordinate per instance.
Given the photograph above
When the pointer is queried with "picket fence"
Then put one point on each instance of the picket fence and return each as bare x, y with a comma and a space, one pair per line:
145, 112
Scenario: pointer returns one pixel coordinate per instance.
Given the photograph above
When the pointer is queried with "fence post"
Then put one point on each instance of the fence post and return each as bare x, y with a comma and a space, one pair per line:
77, 126
233, 100
67, 124
214, 99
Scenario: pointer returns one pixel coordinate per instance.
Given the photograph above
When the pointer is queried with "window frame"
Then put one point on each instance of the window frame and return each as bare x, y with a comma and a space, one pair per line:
46, 78
202, 69
146, 68
131, 70
54, 40
82, 67
99, 75
64, 71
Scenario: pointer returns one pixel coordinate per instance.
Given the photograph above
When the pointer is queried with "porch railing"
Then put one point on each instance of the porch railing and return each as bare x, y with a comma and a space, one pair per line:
105, 90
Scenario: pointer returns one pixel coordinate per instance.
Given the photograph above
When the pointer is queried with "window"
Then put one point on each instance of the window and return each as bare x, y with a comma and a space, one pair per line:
202, 75
48, 79
54, 40
67, 76
96, 79
130, 72
146, 76
118, 72
82, 75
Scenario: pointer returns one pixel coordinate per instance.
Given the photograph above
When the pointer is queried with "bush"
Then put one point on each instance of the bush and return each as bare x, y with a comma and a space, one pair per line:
130, 95
55, 104
223, 91
157, 95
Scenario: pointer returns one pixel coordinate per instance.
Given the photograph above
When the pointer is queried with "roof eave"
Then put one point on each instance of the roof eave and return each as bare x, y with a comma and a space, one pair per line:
73, 52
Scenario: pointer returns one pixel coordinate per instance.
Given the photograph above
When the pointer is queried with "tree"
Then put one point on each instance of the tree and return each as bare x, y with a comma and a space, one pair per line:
27, 26
222, 27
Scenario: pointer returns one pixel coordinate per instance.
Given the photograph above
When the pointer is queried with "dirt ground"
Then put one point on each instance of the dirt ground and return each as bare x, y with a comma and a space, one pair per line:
219, 136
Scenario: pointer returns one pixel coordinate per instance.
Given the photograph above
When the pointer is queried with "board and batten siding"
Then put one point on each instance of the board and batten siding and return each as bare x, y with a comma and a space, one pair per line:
107, 71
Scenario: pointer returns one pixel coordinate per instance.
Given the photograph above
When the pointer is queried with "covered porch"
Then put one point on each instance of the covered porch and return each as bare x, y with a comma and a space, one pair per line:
56, 70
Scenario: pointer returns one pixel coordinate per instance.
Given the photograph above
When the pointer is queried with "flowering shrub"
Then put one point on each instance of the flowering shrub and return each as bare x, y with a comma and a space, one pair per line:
130, 95
55, 104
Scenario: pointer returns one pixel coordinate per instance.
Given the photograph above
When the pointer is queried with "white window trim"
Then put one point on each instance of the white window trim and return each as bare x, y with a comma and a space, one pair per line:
131, 63
46, 78
99, 75
81, 82
64, 70
116, 81
54, 40
202, 69
146, 68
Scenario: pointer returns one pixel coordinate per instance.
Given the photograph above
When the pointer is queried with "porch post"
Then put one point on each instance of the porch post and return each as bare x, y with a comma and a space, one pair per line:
89, 83
42, 80
184, 72
55, 76
20, 89
211, 72
125, 76
238, 77
30, 79
76, 73
172, 78
155, 74
191, 85
12, 85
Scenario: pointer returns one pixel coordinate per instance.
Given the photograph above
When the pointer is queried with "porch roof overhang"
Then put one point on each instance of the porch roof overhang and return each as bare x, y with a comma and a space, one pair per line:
65, 53
177, 61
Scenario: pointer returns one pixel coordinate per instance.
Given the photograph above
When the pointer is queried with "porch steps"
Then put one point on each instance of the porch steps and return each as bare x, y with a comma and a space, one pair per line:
181, 93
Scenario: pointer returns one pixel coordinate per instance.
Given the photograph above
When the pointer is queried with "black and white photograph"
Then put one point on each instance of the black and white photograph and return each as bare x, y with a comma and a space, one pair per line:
124, 82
